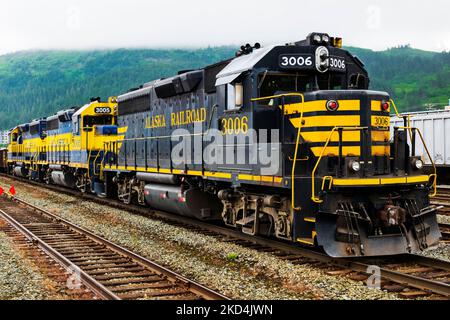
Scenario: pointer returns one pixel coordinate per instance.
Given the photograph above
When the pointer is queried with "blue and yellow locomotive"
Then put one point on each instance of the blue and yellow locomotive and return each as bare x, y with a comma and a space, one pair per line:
65, 148
283, 141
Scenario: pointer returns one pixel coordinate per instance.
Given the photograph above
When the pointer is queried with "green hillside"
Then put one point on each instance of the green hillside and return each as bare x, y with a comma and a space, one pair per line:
35, 84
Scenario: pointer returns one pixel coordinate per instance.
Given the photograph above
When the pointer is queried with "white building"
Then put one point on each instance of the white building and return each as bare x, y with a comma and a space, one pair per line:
3, 137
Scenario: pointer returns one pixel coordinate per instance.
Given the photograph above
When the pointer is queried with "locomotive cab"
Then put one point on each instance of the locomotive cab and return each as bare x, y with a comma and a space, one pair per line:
355, 190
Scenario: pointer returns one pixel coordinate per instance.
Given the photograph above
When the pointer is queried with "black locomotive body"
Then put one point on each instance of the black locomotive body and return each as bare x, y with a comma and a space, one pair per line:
282, 141
339, 181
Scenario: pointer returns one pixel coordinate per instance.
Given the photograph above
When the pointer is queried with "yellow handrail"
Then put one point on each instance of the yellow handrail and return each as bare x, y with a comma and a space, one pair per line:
325, 179
399, 116
95, 160
297, 140
88, 161
313, 191
429, 156
395, 107
294, 94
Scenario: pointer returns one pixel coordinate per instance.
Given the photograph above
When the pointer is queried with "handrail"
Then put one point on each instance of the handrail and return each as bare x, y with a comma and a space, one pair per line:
95, 160
313, 191
395, 108
318, 200
293, 94
429, 156
294, 164
408, 117
325, 179
88, 162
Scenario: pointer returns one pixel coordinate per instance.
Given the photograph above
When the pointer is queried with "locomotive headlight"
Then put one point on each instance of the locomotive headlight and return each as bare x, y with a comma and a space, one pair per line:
317, 39
418, 164
325, 39
355, 165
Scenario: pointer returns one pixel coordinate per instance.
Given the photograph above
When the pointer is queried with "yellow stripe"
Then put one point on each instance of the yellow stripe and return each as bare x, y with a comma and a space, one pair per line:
194, 173
278, 180
393, 180
417, 179
381, 150
174, 171
376, 106
266, 179
355, 182
320, 105
380, 135
247, 177
122, 129
310, 219
375, 181
346, 151
327, 121
322, 136
223, 175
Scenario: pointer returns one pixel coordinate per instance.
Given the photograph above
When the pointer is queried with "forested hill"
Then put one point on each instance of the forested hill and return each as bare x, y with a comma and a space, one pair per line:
38, 83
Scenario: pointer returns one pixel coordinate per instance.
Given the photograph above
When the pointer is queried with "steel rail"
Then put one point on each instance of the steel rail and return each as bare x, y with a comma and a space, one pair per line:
93, 285
356, 264
194, 287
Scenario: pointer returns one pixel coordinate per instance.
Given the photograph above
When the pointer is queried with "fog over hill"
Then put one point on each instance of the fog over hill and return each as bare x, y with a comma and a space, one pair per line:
38, 83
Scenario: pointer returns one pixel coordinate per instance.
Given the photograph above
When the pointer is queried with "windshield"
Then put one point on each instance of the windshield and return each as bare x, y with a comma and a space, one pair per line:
269, 84
90, 121
273, 83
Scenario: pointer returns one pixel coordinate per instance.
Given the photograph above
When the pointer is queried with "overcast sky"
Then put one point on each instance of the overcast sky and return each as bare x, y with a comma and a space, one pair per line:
87, 24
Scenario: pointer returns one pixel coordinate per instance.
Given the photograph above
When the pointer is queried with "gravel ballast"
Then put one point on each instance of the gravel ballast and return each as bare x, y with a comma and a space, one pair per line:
20, 278
235, 271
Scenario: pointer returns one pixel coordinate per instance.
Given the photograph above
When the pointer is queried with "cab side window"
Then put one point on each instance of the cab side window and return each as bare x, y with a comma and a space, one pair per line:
358, 81
235, 96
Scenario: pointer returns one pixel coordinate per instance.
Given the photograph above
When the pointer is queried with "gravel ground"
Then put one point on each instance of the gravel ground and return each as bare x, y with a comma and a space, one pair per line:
443, 219
252, 275
20, 279
442, 251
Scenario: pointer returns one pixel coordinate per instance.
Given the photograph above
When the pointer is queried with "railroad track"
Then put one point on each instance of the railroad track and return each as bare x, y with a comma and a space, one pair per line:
109, 271
410, 275
442, 198
445, 230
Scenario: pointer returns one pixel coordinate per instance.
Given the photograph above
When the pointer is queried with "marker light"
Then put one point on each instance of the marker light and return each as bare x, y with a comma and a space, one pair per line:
332, 105
384, 106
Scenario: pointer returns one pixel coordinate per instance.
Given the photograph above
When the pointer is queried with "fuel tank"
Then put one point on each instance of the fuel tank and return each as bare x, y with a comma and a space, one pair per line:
192, 203
157, 178
63, 179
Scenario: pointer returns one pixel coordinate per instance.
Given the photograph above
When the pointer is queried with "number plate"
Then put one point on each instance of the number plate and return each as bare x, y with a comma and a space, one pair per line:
296, 61
102, 110
381, 121
337, 63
